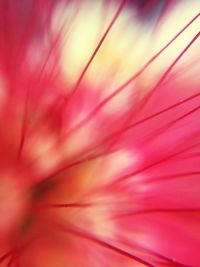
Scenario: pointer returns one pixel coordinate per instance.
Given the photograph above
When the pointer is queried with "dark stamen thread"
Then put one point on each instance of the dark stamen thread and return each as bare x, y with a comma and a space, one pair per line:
137, 74
122, 87
98, 47
104, 244
162, 160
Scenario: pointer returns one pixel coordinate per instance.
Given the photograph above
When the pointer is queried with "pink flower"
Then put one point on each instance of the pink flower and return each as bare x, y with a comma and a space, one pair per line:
99, 117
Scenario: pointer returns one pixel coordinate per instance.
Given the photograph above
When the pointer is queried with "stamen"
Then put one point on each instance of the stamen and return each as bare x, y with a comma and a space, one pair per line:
162, 160
170, 124
111, 24
163, 257
75, 163
27, 96
164, 178
122, 87
93, 113
179, 103
101, 243
141, 212
166, 73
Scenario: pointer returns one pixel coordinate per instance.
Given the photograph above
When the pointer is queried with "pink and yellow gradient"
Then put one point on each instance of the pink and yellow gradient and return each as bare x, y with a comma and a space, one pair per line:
99, 148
